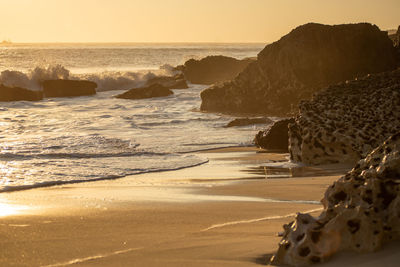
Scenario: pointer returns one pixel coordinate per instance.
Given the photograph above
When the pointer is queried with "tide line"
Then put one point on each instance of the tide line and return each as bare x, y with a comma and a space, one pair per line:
256, 220
75, 261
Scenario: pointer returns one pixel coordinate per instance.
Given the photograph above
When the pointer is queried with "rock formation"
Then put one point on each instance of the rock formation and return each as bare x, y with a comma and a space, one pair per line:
344, 122
68, 88
18, 94
213, 69
171, 82
248, 121
154, 90
361, 212
276, 137
309, 58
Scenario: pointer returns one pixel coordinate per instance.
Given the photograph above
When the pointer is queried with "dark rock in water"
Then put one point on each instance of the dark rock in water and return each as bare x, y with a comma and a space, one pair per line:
248, 121
154, 90
68, 88
213, 69
361, 212
171, 82
276, 137
306, 60
345, 122
18, 94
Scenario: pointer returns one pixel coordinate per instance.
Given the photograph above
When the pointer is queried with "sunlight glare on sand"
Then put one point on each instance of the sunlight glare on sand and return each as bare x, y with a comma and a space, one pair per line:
9, 209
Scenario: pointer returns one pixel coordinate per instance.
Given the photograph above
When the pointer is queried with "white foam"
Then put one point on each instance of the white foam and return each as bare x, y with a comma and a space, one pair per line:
256, 220
106, 80
91, 258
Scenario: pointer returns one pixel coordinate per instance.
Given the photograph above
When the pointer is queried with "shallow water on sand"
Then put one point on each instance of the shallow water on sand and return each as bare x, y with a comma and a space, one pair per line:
88, 138
64, 140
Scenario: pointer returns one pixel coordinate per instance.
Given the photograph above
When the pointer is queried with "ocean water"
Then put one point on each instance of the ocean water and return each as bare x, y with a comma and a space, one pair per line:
64, 140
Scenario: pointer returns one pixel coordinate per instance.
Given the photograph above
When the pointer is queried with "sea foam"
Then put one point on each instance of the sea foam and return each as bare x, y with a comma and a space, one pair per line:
106, 80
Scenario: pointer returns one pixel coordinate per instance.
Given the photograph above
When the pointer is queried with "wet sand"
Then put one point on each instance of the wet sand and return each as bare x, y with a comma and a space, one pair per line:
224, 213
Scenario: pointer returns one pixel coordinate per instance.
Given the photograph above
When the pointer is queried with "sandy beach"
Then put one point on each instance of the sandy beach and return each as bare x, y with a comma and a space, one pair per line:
217, 214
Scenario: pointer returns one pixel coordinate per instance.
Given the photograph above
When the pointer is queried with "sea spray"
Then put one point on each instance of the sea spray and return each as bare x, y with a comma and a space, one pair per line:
107, 80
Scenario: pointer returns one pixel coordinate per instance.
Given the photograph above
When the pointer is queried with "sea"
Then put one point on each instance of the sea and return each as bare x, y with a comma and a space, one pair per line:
68, 140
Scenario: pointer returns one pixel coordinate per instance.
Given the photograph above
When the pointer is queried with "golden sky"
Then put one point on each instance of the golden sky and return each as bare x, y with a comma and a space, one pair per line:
180, 20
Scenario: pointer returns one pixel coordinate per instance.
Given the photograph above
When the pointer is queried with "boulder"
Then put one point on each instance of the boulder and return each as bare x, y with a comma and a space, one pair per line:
68, 88
248, 121
171, 82
361, 212
344, 122
213, 69
154, 90
306, 60
276, 137
18, 94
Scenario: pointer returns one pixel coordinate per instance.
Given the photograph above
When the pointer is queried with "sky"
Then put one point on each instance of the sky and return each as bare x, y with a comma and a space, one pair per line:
181, 20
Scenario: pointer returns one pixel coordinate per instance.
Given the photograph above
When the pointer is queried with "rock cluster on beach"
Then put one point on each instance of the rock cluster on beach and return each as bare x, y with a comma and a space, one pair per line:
309, 58
275, 137
18, 94
155, 90
344, 122
213, 69
361, 212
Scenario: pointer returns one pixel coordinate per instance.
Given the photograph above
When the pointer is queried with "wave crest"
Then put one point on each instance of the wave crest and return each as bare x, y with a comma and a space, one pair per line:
107, 80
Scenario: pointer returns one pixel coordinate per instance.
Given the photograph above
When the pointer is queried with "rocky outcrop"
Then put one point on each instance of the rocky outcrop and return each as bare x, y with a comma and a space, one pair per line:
18, 94
213, 69
344, 122
276, 137
171, 82
68, 88
309, 58
361, 212
155, 90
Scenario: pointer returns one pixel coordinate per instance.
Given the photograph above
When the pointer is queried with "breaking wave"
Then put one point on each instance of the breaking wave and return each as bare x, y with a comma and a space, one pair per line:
107, 80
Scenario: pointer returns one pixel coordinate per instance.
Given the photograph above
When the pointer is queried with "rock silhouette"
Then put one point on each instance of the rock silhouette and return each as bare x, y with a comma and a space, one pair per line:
68, 88
154, 90
18, 94
304, 61
276, 137
213, 69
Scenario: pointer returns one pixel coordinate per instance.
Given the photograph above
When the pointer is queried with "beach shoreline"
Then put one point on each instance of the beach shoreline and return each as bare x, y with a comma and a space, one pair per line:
216, 214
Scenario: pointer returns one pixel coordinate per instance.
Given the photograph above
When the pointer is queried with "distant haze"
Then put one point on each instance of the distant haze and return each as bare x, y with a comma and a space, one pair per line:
180, 20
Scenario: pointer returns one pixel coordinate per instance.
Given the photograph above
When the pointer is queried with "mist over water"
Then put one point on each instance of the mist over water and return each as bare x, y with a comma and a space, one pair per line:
60, 140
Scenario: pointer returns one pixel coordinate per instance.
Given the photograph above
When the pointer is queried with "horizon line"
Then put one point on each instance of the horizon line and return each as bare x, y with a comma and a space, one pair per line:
9, 42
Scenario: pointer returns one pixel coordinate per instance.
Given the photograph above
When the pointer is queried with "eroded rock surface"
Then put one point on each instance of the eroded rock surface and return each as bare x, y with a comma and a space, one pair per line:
18, 94
306, 60
213, 69
344, 122
154, 90
276, 137
361, 212
68, 88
